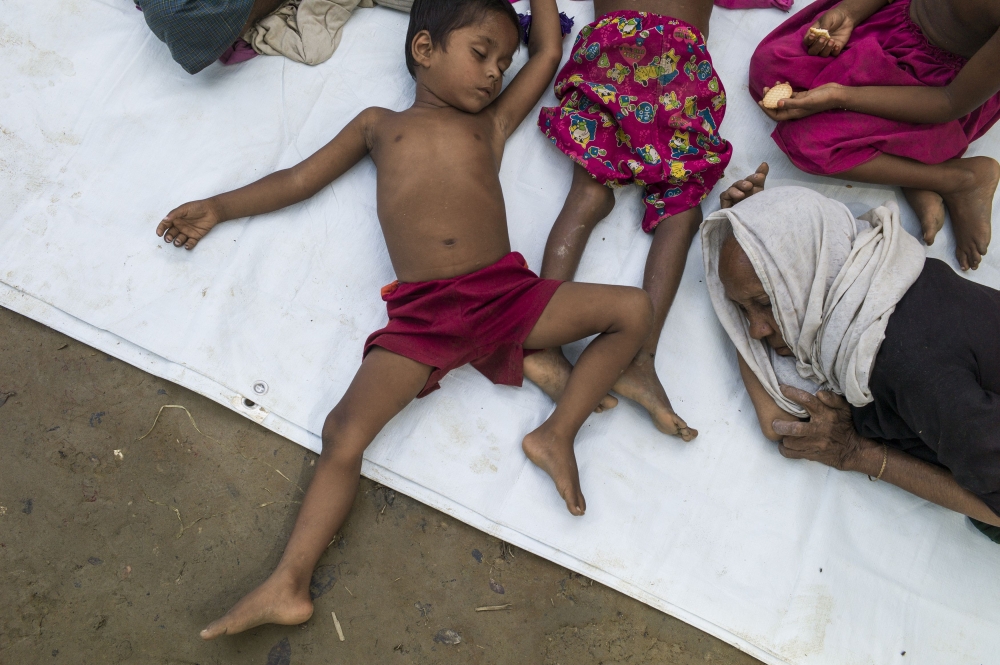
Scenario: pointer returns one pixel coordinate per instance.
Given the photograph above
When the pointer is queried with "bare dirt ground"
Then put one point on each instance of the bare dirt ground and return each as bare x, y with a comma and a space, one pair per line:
123, 557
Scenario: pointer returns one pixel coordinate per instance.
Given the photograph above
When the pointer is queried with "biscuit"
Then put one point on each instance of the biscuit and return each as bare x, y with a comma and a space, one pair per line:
776, 94
819, 32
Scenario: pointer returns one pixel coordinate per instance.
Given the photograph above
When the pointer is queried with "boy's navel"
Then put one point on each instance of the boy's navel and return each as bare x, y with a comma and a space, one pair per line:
449, 242
398, 138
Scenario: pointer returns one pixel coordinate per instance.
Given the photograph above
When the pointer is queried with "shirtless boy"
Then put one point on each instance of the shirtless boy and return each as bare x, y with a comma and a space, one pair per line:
639, 103
462, 295
893, 94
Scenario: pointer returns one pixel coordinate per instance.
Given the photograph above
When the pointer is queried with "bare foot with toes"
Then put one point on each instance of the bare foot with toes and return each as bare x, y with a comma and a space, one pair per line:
274, 601
741, 189
554, 455
930, 210
640, 383
549, 370
971, 210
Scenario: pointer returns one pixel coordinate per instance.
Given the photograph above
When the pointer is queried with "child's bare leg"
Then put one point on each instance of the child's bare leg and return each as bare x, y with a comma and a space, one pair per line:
664, 268
385, 384
621, 317
966, 186
587, 203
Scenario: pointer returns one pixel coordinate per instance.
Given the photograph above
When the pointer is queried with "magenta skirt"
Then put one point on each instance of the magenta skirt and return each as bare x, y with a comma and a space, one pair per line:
887, 49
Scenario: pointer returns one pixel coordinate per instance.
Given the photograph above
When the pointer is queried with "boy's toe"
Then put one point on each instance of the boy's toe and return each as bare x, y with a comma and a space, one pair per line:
963, 261
576, 503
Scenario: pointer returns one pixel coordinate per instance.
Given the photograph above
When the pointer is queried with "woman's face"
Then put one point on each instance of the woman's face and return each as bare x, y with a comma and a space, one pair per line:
745, 289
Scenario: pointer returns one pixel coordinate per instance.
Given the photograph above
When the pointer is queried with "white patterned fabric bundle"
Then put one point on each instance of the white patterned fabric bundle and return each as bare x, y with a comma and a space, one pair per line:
309, 31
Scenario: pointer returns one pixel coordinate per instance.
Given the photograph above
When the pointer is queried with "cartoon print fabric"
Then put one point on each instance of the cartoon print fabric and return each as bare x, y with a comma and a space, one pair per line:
640, 102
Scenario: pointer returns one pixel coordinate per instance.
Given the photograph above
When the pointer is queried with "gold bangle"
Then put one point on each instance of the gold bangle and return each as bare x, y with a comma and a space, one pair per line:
885, 460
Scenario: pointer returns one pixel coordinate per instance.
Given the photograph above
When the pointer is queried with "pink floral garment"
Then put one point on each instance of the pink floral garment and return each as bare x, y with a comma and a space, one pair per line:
640, 102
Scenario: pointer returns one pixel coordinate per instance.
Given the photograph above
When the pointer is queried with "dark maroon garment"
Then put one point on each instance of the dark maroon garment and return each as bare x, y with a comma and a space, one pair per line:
936, 380
480, 319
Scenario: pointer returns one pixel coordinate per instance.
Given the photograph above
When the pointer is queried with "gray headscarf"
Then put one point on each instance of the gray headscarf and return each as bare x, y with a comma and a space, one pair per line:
833, 281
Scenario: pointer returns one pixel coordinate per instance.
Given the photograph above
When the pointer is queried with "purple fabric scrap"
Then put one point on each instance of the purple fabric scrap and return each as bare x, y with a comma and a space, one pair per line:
783, 5
240, 51
565, 23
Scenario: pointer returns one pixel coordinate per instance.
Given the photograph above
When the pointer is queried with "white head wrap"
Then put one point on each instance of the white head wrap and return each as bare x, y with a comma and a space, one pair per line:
833, 282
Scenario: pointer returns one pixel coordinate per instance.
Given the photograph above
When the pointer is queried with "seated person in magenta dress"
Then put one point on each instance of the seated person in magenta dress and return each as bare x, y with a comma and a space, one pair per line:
893, 95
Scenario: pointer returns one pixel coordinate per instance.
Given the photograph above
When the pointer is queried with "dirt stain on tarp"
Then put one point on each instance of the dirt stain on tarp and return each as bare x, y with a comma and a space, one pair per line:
37, 62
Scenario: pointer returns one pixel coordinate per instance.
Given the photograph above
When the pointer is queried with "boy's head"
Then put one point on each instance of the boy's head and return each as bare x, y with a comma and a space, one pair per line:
459, 49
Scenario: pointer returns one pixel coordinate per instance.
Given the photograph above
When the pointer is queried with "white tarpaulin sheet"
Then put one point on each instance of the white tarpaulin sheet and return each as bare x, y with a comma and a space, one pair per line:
101, 134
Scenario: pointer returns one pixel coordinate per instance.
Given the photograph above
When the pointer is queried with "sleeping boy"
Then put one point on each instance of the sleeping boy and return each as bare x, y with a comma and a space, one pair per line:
640, 102
462, 296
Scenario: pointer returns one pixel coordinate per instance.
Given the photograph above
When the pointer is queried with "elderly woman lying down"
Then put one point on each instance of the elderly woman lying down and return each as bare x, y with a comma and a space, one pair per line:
856, 351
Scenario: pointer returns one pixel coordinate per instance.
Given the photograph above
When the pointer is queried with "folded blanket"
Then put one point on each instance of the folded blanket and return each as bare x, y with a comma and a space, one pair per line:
196, 32
309, 31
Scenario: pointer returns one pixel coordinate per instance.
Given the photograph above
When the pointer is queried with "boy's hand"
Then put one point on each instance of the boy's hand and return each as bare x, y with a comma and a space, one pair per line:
186, 225
840, 26
741, 189
803, 104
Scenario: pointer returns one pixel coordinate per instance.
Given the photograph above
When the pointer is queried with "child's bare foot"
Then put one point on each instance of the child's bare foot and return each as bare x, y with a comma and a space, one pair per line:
971, 209
930, 210
640, 384
549, 370
277, 600
554, 455
741, 189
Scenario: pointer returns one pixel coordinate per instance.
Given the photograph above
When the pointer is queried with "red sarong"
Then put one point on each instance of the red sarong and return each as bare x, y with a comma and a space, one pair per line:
887, 49
480, 319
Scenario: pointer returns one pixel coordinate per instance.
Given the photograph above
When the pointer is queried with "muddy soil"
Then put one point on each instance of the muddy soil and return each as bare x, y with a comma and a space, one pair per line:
119, 550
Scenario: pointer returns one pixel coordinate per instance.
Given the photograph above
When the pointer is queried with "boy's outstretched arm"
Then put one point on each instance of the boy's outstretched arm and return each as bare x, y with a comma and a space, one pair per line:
545, 52
189, 223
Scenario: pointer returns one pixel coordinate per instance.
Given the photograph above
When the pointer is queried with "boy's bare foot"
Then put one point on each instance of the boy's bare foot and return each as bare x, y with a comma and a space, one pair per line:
275, 601
971, 208
929, 207
554, 455
640, 384
549, 370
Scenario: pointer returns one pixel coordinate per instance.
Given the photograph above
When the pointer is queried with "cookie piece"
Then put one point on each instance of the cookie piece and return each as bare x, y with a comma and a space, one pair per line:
776, 94
819, 32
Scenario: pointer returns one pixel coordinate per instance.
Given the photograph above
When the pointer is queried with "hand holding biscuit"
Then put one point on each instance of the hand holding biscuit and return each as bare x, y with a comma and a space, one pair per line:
806, 103
828, 36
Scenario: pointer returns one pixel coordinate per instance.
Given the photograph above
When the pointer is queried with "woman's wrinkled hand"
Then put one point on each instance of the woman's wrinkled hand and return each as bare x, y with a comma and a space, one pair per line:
189, 223
828, 436
807, 102
840, 26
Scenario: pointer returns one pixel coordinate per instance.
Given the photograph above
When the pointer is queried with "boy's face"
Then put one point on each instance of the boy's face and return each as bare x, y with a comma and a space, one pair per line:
467, 71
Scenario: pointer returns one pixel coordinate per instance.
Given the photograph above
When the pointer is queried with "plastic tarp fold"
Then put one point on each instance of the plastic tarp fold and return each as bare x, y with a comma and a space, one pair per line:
101, 134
